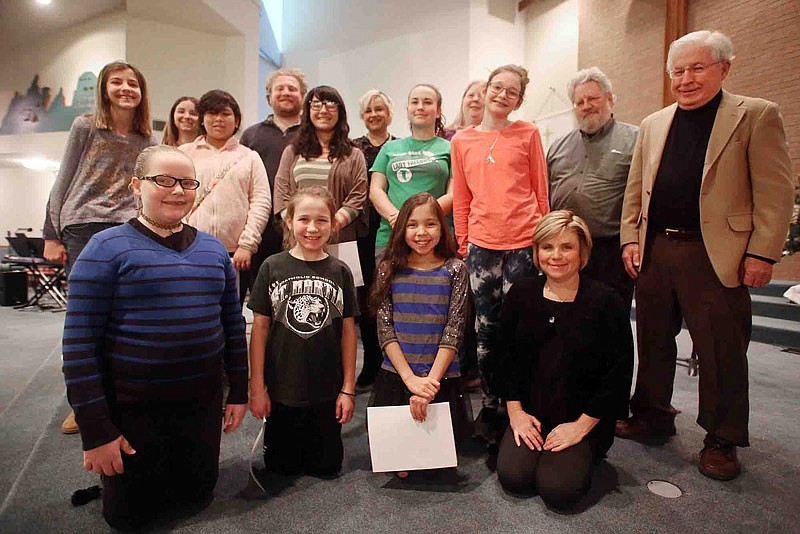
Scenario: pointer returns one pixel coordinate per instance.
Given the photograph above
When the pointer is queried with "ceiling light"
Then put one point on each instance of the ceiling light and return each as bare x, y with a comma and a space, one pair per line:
43, 2
39, 164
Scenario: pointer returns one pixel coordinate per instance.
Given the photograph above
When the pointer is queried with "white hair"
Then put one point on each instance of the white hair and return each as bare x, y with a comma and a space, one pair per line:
720, 45
592, 74
366, 100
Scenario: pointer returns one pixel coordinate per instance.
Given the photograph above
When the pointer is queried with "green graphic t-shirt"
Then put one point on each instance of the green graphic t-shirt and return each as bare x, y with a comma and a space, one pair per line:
412, 166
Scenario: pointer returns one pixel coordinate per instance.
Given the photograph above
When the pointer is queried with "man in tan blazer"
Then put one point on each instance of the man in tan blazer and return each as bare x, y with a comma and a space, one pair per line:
705, 214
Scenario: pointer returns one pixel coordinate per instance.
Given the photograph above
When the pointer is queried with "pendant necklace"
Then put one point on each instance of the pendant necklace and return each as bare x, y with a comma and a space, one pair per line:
171, 228
490, 157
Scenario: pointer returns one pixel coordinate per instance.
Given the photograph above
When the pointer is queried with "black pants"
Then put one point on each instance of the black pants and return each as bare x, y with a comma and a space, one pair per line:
560, 478
303, 440
75, 237
605, 265
373, 357
176, 462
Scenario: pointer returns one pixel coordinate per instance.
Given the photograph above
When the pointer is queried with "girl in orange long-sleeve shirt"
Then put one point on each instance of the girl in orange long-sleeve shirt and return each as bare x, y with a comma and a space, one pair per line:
500, 194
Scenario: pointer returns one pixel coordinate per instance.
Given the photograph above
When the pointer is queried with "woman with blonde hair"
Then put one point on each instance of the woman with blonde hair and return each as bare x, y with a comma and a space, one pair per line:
377, 111
471, 111
567, 351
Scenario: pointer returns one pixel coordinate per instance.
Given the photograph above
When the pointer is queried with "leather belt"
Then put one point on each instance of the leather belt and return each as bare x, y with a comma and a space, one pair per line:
682, 235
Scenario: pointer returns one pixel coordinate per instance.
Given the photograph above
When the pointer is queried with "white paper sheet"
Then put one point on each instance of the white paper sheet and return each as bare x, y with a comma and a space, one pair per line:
348, 253
398, 443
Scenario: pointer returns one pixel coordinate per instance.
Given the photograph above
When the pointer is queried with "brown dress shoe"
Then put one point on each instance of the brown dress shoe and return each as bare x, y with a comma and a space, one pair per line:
636, 428
719, 462
70, 426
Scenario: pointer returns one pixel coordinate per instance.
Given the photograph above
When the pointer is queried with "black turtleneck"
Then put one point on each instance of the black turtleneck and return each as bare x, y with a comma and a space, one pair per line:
675, 201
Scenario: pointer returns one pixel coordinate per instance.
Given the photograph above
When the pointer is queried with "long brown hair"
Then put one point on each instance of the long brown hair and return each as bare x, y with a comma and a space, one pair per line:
313, 191
102, 111
171, 134
306, 142
398, 251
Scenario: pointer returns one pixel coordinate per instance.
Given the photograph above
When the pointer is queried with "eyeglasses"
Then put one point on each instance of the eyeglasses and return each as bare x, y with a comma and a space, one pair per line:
591, 100
697, 70
165, 180
497, 88
330, 106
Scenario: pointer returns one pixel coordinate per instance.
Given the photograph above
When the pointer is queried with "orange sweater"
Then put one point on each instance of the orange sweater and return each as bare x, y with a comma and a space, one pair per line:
498, 205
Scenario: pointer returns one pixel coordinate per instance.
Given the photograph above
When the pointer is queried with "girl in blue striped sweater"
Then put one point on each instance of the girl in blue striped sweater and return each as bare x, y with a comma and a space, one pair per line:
420, 296
152, 317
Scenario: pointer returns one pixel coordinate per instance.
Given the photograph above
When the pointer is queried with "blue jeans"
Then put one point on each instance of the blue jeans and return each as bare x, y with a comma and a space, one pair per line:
491, 273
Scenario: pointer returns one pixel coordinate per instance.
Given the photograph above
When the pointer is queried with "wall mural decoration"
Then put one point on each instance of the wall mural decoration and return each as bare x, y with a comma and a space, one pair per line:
38, 111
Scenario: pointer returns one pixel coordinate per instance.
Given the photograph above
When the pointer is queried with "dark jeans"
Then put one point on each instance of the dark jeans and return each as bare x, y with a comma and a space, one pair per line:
75, 237
560, 478
176, 462
677, 281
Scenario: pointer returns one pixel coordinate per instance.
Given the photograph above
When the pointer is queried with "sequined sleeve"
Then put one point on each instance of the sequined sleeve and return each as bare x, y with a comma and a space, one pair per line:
386, 333
457, 314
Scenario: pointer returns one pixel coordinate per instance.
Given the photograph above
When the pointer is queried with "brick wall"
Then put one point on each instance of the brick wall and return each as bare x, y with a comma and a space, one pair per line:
767, 43
625, 38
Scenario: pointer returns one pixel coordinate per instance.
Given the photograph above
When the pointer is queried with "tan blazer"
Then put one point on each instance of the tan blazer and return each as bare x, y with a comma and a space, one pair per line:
747, 191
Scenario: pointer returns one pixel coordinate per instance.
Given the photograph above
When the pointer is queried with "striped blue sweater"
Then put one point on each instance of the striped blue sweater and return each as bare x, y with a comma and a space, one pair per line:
424, 311
146, 324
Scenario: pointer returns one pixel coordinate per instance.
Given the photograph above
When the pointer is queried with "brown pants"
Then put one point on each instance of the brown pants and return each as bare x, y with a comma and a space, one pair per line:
678, 282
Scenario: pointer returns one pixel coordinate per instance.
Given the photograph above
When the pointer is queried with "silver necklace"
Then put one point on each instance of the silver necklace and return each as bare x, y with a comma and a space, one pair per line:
490, 157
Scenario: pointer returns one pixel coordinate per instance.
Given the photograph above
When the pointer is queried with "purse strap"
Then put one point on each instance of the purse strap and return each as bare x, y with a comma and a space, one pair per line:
213, 184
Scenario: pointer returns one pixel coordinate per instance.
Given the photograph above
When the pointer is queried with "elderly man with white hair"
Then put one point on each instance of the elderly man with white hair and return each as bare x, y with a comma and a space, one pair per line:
588, 170
705, 213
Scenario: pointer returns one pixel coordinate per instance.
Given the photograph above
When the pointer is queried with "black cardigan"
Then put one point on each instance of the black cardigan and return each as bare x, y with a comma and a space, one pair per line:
597, 341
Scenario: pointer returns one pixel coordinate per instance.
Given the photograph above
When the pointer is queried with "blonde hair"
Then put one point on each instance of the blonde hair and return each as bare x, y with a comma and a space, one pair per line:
461, 121
556, 222
367, 98
102, 114
313, 191
522, 72
143, 160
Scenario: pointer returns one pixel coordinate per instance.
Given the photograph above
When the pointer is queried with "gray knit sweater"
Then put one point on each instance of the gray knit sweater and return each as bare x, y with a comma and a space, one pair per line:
92, 182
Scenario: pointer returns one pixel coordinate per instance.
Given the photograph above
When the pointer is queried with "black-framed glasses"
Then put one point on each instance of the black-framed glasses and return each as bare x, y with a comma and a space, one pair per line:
165, 180
329, 105
697, 69
497, 88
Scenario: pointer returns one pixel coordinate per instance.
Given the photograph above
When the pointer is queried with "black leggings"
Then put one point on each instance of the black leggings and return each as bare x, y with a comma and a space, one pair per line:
303, 440
560, 478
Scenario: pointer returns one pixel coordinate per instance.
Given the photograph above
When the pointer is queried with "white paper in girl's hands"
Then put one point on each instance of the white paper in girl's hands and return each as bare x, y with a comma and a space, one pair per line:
348, 253
398, 443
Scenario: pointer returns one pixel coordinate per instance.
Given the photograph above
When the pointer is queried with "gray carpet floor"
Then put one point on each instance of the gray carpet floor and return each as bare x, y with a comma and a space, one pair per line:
40, 468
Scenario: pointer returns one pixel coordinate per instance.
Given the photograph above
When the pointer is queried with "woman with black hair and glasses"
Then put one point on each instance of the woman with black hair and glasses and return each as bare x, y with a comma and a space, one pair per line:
322, 154
233, 202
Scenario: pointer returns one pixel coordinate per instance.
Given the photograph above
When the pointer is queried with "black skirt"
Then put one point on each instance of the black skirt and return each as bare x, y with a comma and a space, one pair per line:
390, 390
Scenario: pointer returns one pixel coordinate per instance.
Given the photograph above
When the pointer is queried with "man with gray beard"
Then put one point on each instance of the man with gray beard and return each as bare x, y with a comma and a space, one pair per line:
588, 170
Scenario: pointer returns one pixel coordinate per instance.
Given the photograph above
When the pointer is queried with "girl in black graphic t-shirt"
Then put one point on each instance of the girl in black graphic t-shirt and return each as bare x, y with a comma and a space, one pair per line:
303, 345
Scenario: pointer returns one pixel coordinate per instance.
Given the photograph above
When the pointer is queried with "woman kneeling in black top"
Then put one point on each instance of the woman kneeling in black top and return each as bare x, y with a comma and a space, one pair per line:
568, 353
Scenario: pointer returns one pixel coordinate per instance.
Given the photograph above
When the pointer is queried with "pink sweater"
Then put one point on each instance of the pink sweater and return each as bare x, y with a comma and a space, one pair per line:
238, 207
498, 205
